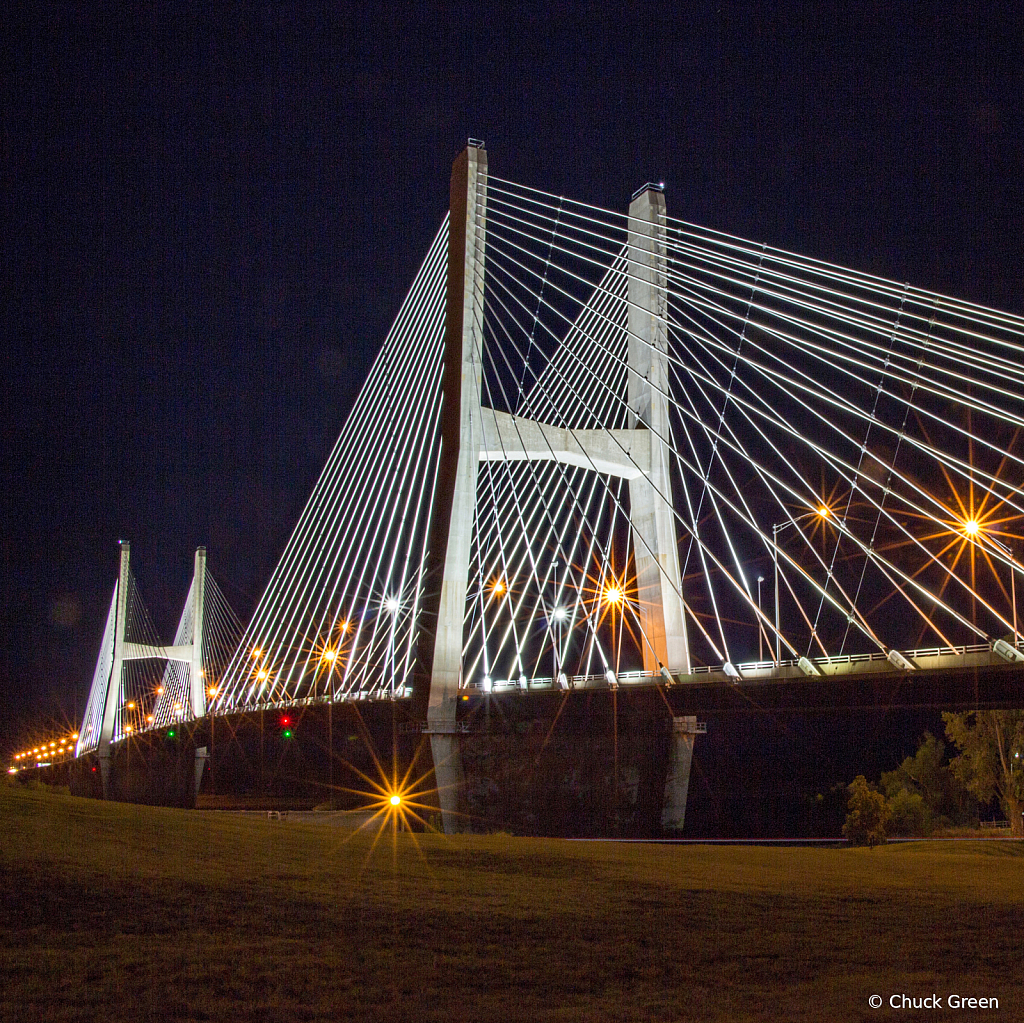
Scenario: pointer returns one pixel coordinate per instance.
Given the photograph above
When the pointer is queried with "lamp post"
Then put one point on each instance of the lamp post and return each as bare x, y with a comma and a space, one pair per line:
760, 627
557, 614
1005, 548
823, 511
776, 529
392, 606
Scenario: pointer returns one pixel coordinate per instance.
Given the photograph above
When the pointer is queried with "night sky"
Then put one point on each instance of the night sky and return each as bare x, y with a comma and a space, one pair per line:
210, 220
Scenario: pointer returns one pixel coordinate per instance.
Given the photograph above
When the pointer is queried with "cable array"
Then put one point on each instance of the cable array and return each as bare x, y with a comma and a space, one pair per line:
340, 615
850, 439
843, 452
221, 634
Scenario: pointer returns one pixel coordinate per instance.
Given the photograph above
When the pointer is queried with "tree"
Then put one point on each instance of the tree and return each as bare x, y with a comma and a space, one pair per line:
989, 763
866, 821
908, 815
928, 775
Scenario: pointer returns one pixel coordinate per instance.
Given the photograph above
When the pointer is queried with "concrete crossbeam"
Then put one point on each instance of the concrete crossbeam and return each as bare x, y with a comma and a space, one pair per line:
622, 453
144, 652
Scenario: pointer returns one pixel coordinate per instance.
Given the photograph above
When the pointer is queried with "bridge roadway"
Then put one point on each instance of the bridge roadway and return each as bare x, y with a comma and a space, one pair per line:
929, 659
961, 678
964, 678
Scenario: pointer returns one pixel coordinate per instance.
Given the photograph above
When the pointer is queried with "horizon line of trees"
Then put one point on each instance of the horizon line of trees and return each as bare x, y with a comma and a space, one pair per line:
926, 793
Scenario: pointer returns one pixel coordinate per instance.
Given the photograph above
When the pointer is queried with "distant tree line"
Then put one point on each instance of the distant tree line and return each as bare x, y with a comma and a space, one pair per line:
925, 794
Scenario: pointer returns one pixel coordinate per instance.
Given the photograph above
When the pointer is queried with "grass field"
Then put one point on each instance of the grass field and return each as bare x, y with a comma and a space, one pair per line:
121, 912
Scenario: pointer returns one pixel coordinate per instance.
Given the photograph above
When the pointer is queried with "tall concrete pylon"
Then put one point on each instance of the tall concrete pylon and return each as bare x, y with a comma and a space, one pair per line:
655, 541
455, 492
471, 434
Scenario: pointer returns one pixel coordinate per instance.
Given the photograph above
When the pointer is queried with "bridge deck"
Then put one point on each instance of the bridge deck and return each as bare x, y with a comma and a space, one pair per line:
928, 659
938, 679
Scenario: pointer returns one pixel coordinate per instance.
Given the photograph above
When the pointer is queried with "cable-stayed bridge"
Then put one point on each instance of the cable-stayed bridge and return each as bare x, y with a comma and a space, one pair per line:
602, 449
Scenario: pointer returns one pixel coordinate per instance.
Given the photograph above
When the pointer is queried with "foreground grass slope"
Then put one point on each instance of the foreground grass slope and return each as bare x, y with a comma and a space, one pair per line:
112, 911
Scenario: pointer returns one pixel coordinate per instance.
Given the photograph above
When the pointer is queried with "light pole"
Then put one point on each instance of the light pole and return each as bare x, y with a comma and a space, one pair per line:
556, 615
776, 528
392, 606
760, 627
823, 511
1005, 548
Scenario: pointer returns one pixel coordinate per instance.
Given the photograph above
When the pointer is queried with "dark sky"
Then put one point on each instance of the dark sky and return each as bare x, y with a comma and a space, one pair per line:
210, 220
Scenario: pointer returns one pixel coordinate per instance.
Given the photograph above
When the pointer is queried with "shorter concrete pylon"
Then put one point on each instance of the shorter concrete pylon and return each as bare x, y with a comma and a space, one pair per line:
677, 782
113, 695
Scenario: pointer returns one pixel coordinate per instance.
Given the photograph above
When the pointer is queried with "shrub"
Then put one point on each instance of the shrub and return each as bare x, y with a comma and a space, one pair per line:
866, 820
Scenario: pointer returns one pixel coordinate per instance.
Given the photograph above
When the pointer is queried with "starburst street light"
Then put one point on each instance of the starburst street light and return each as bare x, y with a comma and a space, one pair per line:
972, 527
613, 594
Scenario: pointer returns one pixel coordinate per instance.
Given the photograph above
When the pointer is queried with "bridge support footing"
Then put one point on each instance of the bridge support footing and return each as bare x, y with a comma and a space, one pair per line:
202, 755
446, 749
677, 781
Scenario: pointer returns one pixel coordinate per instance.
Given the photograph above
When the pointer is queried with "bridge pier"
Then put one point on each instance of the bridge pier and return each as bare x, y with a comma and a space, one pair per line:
684, 731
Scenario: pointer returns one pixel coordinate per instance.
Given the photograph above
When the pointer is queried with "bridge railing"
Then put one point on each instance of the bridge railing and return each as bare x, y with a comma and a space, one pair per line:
750, 670
753, 671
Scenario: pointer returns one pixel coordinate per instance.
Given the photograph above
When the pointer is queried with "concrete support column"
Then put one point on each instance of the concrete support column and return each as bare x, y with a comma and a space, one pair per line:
196, 679
455, 495
112, 699
197, 683
655, 541
202, 755
677, 782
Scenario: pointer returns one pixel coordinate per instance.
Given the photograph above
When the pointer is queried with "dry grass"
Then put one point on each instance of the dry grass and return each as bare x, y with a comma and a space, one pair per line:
122, 912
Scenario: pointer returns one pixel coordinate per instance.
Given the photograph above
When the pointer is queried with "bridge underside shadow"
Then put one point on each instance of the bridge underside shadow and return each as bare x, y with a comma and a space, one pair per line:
774, 761
985, 687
